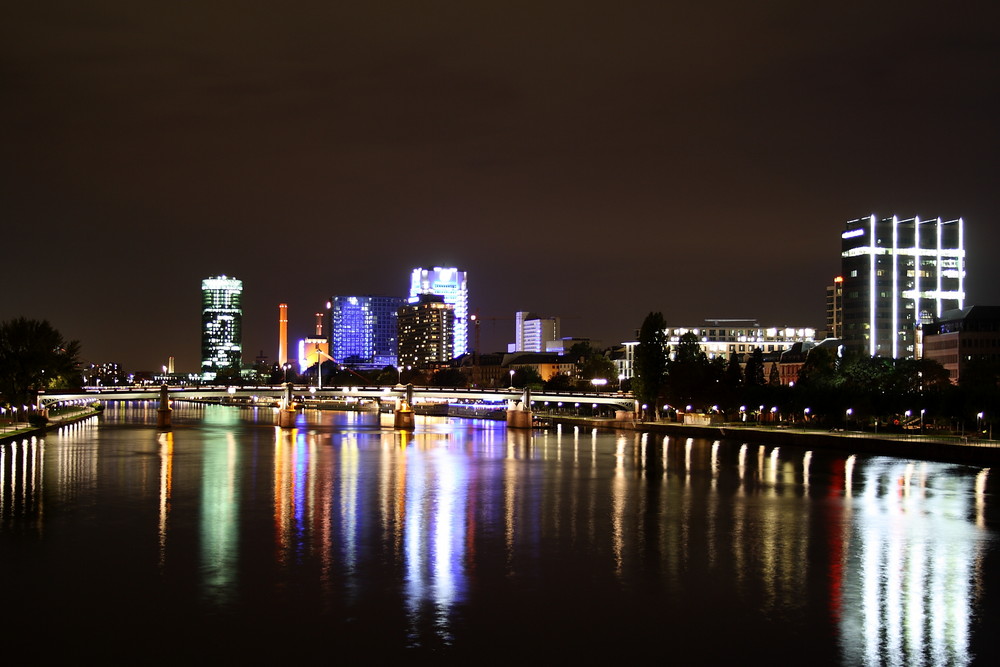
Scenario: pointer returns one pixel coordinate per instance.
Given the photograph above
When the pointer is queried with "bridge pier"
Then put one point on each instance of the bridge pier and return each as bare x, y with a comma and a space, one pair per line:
521, 417
403, 417
164, 411
286, 413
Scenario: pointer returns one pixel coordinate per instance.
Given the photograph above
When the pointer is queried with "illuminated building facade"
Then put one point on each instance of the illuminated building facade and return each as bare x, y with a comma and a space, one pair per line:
221, 325
835, 308
425, 332
533, 333
363, 330
964, 338
896, 274
727, 337
453, 286
315, 349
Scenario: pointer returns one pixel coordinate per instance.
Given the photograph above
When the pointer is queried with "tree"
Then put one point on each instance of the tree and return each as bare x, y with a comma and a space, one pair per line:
650, 361
449, 377
689, 373
774, 375
526, 376
33, 356
753, 374
733, 377
559, 382
598, 366
819, 369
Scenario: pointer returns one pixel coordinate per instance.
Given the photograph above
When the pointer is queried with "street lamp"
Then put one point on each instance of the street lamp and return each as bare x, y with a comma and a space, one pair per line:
922, 411
847, 419
979, 420
512, 378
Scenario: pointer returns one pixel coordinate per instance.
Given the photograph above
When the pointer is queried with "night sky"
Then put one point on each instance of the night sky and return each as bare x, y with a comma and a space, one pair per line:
594, 161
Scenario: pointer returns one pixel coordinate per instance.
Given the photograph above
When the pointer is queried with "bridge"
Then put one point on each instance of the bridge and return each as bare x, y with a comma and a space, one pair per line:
402, 396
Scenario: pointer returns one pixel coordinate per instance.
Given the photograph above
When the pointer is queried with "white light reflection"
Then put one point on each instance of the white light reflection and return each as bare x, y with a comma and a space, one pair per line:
806, 461
915, 556
618, 486
981, 497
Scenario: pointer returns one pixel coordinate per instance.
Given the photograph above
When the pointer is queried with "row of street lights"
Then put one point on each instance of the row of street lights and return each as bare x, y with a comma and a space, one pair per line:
13, 410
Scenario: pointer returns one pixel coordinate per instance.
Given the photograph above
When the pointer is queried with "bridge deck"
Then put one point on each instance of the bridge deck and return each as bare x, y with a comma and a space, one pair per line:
424, 394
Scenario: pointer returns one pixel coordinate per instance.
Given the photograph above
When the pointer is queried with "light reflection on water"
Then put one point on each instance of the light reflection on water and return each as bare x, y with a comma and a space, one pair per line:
436, 537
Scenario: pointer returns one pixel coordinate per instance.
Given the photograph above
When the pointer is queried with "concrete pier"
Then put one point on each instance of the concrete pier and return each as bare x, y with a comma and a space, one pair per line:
164, 412
520, 416
403, 417
286, 413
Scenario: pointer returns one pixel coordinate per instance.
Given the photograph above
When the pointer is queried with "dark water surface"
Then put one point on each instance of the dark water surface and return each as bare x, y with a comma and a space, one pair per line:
229, 539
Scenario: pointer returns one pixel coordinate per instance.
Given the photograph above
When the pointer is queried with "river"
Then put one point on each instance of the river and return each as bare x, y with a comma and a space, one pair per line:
226, 538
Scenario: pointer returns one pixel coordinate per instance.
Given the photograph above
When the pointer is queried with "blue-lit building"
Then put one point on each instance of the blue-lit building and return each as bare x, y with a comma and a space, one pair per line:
363, 330
221, 325
453, 286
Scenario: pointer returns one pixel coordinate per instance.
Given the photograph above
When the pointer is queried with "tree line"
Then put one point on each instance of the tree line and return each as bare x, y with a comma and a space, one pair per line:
832, 388
35, 356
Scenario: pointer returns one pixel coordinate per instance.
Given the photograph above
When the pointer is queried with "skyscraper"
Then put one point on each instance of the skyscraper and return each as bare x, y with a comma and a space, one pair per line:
221, 325
363, 330
452, 285
896, 274
425, 330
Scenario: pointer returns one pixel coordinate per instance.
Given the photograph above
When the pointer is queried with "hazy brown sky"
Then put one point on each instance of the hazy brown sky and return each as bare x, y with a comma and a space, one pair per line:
594, 161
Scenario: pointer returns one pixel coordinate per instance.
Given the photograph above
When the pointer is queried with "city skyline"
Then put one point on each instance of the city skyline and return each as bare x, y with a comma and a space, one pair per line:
590, 162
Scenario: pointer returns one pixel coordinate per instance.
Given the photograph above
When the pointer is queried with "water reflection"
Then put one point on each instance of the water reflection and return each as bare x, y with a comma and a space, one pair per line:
417, 532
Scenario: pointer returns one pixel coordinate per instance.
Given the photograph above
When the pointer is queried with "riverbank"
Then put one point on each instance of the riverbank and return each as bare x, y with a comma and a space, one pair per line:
23, 430
947, 449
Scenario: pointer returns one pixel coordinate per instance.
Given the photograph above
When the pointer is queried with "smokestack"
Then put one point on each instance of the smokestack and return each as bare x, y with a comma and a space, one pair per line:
170, 365
319, 325
282, 334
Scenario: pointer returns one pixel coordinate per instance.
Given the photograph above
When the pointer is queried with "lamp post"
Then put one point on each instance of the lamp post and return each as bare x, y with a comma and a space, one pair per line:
847, 418
979, 427
512, 378
922, 411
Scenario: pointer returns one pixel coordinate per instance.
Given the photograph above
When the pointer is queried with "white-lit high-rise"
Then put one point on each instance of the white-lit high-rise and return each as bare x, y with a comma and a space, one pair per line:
896, 273
221, 325
452, 285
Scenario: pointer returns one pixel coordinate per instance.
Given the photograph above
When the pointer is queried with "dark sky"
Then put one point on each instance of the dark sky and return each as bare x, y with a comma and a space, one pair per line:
595, 161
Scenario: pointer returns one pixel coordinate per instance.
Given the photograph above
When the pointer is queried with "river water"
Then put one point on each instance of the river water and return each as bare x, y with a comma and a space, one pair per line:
226, 538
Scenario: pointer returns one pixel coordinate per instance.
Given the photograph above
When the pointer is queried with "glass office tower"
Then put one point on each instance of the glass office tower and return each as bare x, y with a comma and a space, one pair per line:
453, 286
363, 330
221, 325
896, 274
